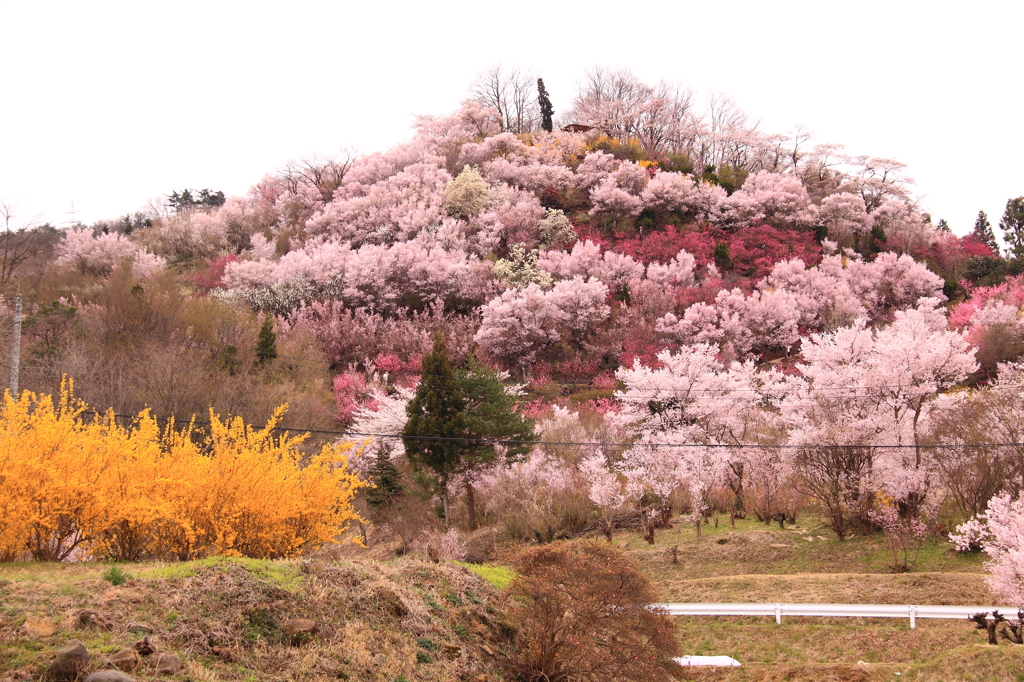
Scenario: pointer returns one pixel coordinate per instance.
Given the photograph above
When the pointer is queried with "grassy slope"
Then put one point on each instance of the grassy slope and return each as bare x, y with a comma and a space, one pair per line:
375, 616
756, 563
376, 621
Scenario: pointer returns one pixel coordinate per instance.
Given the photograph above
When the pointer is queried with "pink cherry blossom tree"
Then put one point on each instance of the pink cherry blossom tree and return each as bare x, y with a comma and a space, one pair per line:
845, 216
1003, 541
668, 192
101, 253
861, 388
608, 198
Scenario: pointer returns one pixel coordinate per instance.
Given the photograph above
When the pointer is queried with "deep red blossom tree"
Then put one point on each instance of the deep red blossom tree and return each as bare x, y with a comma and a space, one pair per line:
755, 250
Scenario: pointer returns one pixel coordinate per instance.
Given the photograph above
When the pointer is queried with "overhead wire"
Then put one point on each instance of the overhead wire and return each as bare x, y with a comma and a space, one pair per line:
622, 444
873, 391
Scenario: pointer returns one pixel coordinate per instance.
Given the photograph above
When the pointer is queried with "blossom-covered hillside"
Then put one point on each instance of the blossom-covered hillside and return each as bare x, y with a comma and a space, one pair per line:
697, 314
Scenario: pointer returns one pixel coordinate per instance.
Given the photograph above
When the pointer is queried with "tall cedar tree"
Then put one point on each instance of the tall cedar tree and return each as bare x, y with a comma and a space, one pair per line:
385, 477
437, 421
983, 232
266, 342
490, 417
1012, 224
470, 406
546, 110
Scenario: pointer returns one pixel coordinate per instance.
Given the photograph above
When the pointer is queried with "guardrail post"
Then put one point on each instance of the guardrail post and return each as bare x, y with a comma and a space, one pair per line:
778, 614
913, 617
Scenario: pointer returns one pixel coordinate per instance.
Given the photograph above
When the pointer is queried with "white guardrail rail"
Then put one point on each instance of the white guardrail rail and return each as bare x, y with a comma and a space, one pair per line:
910, 611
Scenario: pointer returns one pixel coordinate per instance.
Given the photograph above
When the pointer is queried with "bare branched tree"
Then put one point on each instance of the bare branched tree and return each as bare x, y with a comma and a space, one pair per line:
513, 93
619, 104
17, 244
325, 173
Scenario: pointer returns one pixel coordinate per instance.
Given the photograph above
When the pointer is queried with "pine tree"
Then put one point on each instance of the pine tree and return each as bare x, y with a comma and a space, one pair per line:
490, 417
385, 477
1012, 225
266, 342
721, 255
546, 110
437, 421
983, 232
461, 421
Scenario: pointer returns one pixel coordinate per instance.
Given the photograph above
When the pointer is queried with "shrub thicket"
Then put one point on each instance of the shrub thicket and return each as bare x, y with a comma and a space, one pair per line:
76, 486
580, 612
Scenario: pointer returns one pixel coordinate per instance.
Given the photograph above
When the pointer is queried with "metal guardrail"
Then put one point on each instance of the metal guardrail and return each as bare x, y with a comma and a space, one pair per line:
910, 611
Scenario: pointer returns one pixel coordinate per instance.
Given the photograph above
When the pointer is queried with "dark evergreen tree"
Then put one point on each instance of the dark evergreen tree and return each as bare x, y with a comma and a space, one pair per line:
1012, 225
942, 225
210, 199
983, 232
385, 477
490, 419
182, 201
437, 421
460, 421
266, 342
547, 112
185, 200
721, 255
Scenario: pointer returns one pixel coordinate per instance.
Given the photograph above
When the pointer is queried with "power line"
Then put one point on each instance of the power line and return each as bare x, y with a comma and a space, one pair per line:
875, 391
617, 444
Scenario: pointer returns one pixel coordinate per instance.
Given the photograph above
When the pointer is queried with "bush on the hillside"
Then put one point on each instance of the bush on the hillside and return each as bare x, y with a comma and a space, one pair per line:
580, 613
466, 195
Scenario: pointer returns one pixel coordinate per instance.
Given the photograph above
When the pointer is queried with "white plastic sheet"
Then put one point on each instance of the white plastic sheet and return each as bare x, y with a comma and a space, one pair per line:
706, 660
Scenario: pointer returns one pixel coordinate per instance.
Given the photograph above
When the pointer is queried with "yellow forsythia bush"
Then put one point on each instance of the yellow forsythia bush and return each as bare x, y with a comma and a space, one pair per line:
75, 485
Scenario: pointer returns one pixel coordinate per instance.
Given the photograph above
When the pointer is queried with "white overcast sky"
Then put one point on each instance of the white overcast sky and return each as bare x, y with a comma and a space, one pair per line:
107, 105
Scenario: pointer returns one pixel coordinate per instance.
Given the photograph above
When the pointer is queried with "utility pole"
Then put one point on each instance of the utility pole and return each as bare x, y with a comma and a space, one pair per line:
16, 348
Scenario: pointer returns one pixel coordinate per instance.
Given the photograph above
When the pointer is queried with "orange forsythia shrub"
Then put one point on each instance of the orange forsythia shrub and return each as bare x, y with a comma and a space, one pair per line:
78, 485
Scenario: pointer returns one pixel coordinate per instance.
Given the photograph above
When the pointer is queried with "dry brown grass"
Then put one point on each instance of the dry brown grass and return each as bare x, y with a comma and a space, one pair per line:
754, 548
834, 588
823, 641
971, 663
806, 563
375, 621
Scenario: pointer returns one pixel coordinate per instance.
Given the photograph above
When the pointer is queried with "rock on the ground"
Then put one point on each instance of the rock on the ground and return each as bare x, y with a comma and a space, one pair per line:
145, 648
69, 662
87, 618
125, 659
109, 676
38, 627
140, 628
166, 662
298, 626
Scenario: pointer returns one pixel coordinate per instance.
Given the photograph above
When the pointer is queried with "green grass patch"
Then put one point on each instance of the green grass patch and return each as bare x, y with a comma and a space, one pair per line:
116, 576
499, 576
283, 573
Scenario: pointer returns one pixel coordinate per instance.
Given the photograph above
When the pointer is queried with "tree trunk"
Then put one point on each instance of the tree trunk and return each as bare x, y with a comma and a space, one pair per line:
697, 524
647, 527
444, 503
471, 506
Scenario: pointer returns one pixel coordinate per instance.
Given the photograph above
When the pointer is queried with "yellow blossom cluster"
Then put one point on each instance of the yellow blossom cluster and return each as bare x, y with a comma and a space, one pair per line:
76, 484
